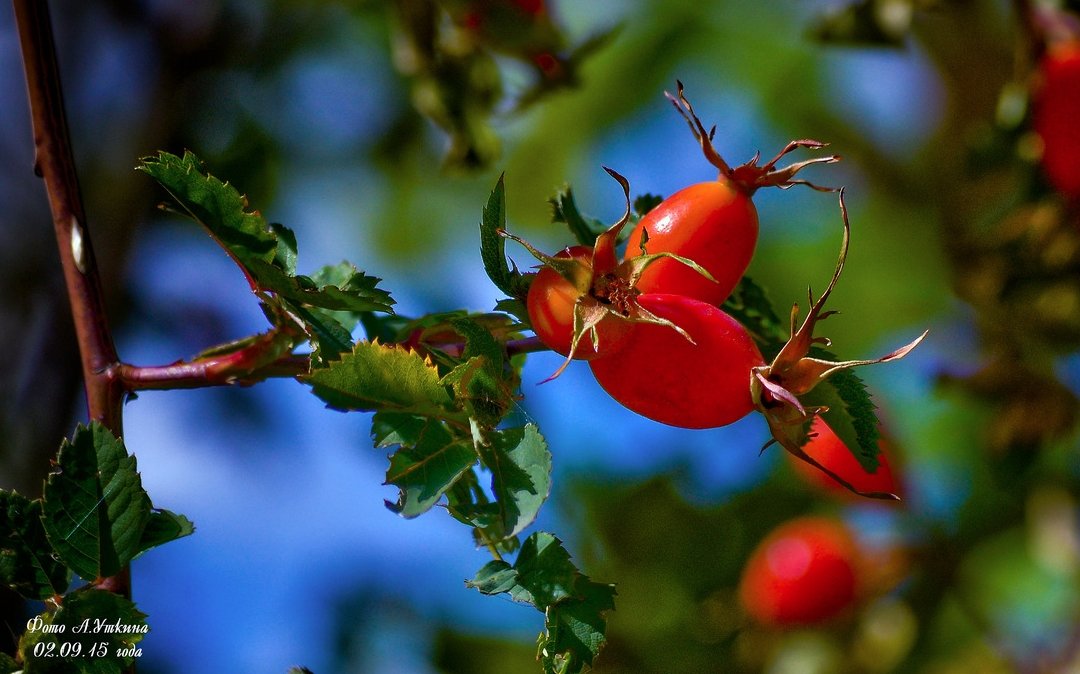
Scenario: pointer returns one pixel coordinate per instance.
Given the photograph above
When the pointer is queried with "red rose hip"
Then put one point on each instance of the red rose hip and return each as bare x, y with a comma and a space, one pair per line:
714, 224
803, 573
1056, 111
662, 375
830, 451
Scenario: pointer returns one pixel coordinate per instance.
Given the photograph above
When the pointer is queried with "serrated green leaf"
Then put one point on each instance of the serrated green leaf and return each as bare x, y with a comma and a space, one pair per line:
851, 414
644, 203
214, 204
164, 527
542, 573
495, 577
391, 428
516, 307
27, 563
356, 292
426, 469
285, 255
520, 466
386, 329
95, 509
573, 605
484, 517
342, 296
482, 382
343, 287
479, 342
328, 337
384, 378
576, 629
266, 253
93, 632
505, 276
750, 305
484, 400
467, 503
564, 209
545, 571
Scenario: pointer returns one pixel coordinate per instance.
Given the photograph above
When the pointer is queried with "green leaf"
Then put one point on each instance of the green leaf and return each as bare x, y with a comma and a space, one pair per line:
391, 428
493, 246
95, 509
341, 287
545, 571
564, 209
385, 329
216, 205
520, 466
93, 632
573, 605
267, 253
495, 577
482, 382
750, 305
851, 414
427, 467
479, 342
356, 292
542, 573
644, 203
285, 255
328, 337
344, 289
384, 378
164, 527
480, 394
468, 503
576, 629
516, 307
27, 563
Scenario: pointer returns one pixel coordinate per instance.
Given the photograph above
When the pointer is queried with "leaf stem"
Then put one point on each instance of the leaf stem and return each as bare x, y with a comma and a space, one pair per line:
263, 357
492, 548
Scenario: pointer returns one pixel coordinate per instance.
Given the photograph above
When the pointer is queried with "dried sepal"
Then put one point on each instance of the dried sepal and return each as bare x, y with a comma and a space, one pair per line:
577, 274
776, 388
605, 259
793, 436
606, 286
750, 176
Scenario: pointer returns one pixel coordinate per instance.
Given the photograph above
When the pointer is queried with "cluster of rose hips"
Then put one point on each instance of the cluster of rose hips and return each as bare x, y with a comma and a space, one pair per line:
650, 322
811, 570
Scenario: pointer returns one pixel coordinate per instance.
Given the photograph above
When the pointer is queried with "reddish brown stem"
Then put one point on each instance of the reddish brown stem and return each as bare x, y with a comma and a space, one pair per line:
226, 370
55, 163
237, 368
